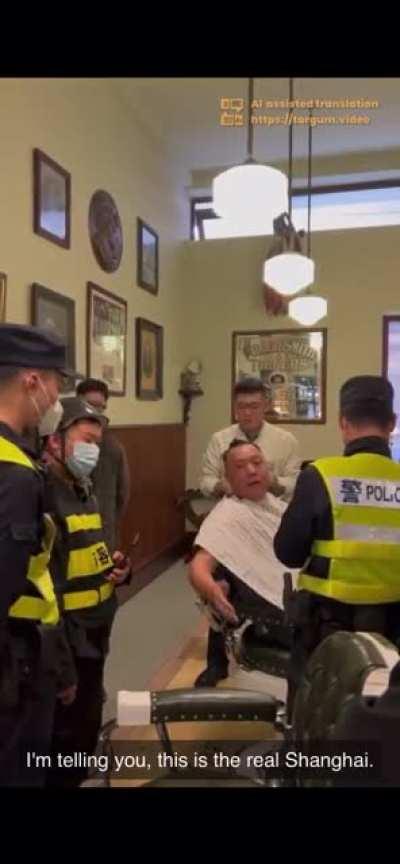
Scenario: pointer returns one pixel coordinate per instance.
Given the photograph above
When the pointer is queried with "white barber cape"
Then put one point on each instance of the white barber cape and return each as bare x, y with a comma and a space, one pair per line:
239, 534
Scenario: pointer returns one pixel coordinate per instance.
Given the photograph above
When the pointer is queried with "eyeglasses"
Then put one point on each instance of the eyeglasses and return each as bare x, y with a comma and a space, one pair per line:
249, 406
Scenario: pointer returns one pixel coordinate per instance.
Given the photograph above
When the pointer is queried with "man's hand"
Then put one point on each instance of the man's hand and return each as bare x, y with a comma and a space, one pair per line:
219, 600
67, 696
222, 488
121, 569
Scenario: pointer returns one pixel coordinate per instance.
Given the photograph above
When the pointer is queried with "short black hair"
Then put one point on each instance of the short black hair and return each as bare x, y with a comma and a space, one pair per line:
249, 385
372, 413
238, 442
367, 399
90, 385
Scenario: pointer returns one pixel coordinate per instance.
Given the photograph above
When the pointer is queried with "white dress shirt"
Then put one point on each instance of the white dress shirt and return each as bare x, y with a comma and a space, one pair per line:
279, 448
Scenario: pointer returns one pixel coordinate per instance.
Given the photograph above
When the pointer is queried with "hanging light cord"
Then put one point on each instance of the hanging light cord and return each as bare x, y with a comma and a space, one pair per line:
290, 147
309, 186
250, 128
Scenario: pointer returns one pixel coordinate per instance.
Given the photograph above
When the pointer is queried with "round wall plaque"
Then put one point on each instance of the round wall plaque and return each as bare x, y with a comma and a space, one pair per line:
105, 231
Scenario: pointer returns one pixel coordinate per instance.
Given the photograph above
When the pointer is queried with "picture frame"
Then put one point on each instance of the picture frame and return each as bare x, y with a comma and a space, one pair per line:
56, 312
147, 257
292, 365
51, 200
107, 321
149, 360
3, 296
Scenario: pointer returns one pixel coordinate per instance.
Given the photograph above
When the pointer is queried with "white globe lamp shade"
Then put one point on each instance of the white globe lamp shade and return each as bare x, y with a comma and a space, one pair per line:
252, 194
289, 272
308, 310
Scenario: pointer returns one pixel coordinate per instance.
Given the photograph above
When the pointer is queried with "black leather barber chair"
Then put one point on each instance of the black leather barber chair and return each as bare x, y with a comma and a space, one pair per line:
331, 699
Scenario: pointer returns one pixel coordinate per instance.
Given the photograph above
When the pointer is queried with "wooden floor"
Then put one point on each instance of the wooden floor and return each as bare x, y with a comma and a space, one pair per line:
179, 671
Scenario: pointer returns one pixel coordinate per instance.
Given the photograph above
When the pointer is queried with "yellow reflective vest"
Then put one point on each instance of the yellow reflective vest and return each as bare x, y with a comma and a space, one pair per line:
364, 552
81, 559
39, 603
89, 562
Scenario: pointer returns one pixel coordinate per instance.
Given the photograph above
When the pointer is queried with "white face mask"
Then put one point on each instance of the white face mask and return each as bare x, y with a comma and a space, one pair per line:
83, 459
49, 421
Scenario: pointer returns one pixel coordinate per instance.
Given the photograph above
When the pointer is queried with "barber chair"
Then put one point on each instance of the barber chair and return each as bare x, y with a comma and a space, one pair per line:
346, 675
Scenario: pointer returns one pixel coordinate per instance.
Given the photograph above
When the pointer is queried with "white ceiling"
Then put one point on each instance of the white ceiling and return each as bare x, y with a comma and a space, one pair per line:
185, 114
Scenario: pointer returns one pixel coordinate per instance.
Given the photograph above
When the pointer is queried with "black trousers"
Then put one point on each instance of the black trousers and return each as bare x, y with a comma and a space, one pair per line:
25, 734
315, 618
77, 726
247, 603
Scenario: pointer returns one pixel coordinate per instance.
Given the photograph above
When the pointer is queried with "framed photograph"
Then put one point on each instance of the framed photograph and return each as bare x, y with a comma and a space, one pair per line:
51, 200
292, 366
147, 257
149, 360
55, 312
106, 338
3, 296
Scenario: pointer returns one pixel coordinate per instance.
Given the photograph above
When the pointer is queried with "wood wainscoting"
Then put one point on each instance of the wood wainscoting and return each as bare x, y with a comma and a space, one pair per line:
157, 461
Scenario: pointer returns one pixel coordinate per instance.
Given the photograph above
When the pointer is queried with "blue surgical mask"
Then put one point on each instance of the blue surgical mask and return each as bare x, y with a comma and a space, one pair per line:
83, 459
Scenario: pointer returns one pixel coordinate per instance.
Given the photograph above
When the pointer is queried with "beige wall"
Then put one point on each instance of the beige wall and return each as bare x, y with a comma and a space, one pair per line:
358, 272
85, 126
339, 164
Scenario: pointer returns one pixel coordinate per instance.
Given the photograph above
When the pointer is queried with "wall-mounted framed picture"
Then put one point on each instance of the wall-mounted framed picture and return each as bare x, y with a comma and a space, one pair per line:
147, 257
105, 231
292, 366
3, 296
55, 312
149, 360
106, 338
51, 200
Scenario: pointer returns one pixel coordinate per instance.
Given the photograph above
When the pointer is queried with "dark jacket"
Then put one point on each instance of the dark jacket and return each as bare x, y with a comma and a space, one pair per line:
111, 485
65, 499
22, 505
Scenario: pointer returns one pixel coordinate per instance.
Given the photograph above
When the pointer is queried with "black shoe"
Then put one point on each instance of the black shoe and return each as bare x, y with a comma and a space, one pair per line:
210, 676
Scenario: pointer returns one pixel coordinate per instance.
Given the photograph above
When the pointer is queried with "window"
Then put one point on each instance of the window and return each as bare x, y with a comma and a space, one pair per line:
391, 368
334, 207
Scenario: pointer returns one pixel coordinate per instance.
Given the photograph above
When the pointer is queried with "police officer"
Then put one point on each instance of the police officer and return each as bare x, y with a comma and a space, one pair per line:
342, 528
85, 577
32, 363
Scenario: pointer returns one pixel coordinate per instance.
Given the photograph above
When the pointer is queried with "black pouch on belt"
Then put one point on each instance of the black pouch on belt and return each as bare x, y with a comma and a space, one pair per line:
9, 671
49, 638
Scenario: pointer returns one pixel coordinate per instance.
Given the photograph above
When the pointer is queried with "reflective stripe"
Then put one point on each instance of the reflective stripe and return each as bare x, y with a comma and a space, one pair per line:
43, 608
9, 452
350, 531
91, 561
367, 515
356, 549
85, 599
84, 522
350, 592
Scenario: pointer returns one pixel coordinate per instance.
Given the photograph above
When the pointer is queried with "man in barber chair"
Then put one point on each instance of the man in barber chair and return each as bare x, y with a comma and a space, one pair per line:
342, 528
234, 568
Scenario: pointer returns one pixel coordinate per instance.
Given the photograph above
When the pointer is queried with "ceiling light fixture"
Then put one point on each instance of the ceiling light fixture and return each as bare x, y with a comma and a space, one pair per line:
251, 194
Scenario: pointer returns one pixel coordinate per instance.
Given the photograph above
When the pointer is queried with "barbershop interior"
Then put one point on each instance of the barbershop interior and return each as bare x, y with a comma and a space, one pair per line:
216, 259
